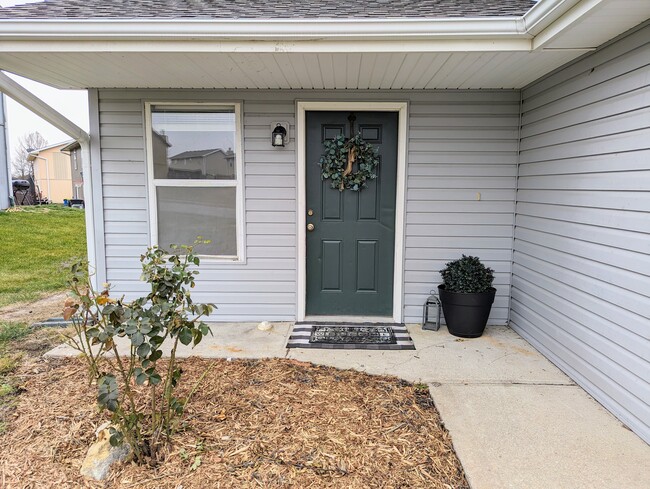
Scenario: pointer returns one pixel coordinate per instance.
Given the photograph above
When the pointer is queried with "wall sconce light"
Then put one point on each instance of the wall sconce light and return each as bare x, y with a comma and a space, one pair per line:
279, 135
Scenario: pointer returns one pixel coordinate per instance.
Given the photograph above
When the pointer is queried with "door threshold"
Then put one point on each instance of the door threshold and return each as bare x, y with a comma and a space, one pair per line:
349, 319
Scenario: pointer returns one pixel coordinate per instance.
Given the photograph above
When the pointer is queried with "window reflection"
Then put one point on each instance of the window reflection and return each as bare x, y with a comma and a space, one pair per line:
193, 144
185, 213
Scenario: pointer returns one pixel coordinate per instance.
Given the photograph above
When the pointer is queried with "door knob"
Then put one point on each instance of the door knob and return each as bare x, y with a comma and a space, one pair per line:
310, 227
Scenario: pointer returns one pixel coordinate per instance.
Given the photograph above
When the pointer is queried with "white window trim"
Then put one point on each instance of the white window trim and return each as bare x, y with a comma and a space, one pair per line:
238, 182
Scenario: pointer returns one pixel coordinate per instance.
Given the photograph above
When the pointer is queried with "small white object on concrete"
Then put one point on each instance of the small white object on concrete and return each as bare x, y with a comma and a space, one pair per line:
101, 455
265, 326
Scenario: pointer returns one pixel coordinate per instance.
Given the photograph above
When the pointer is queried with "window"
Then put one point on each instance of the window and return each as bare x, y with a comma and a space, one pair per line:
195, 175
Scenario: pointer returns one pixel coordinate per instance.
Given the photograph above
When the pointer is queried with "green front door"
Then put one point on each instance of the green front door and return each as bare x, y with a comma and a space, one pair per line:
350, 251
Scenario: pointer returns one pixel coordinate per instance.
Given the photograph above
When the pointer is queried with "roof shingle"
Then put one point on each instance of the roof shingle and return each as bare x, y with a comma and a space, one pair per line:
272, 9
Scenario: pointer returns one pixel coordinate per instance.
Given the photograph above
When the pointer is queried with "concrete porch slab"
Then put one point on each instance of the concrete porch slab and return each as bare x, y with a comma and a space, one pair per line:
540, 437
499, 356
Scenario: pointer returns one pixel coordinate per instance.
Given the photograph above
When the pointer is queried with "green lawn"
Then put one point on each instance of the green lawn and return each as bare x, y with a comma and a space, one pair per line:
36, 244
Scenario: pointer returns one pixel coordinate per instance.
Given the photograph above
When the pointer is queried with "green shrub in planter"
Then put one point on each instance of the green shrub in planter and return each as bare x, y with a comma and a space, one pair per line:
468, 275
466, 295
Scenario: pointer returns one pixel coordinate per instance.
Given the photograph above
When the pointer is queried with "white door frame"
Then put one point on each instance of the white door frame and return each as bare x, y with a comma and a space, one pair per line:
400, 199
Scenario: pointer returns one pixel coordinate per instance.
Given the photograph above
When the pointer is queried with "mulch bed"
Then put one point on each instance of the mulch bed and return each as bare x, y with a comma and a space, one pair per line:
266, 423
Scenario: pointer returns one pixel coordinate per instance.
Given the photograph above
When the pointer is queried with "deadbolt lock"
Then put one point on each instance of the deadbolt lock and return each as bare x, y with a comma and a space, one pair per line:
310, 212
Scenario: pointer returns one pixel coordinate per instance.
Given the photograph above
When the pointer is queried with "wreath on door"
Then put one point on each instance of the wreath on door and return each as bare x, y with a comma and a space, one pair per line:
337, 162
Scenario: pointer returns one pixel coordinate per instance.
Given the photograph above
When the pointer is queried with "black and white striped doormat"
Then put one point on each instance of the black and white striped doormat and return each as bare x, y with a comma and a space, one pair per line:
347, 336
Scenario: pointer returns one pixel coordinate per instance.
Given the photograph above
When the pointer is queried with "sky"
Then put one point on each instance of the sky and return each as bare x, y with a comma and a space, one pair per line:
71, 103
20, 121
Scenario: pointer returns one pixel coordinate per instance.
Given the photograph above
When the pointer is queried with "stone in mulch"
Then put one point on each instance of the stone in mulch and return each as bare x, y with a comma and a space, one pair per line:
102, 455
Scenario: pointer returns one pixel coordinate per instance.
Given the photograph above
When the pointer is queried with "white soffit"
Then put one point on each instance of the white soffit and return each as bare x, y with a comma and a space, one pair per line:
287, 70
324, 54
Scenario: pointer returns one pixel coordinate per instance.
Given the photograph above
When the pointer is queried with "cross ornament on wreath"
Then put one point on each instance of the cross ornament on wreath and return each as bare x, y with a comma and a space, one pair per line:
341, 154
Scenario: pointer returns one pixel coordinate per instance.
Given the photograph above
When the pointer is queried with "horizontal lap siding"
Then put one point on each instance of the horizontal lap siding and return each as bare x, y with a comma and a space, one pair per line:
460, 143
581, 272
264, 288
458, 148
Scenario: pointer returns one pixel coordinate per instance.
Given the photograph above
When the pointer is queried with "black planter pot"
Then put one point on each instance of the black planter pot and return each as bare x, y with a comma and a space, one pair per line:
466, 314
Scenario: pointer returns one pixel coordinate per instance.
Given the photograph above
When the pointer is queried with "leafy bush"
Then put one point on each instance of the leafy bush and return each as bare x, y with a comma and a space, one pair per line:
468, 275
144, 417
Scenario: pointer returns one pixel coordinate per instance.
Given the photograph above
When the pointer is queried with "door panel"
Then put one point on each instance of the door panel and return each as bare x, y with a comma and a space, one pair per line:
331, 266
332, 203
350, 252
367, 265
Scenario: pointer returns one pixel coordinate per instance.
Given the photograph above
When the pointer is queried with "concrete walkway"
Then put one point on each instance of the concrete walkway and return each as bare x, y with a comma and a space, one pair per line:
515, 419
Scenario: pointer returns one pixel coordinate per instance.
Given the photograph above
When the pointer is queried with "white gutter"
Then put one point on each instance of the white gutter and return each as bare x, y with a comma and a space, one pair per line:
544, 13
258, 29
539, 17
58, 120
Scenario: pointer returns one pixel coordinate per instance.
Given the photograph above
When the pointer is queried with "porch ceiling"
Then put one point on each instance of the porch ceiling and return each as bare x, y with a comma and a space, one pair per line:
396, 70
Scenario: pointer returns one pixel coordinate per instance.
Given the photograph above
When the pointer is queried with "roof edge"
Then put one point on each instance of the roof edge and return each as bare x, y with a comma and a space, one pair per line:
35, 152
544, 13
258, 29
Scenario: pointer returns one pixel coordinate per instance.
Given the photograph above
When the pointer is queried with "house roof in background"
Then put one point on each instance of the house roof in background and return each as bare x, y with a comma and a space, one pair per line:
274, 9
71, 147
61, 146
196, 153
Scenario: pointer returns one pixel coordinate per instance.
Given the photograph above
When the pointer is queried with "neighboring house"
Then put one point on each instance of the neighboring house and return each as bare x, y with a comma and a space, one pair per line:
53, 172
206, 163
516, 131
76, 170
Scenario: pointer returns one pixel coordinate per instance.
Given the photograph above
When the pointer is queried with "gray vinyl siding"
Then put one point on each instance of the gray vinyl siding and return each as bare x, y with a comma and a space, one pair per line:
460, 144
581, 272
264, 287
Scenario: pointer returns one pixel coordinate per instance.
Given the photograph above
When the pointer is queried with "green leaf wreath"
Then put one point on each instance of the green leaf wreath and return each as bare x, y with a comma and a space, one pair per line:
339, 156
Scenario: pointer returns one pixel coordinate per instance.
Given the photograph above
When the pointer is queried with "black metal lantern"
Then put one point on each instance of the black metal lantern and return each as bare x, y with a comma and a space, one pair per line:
279, 136
431, 309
